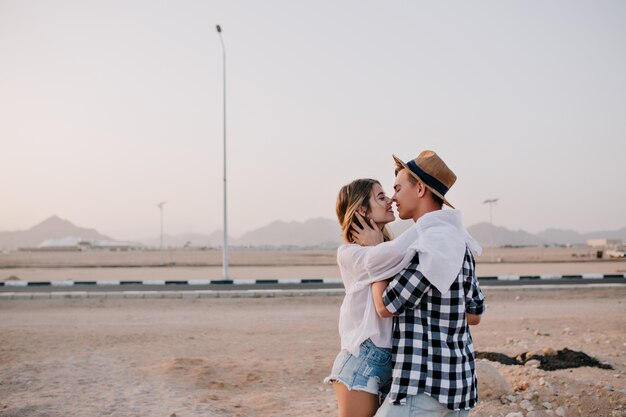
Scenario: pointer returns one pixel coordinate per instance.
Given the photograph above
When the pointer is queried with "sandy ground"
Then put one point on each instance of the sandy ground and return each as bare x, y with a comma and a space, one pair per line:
250, 257
259, 264
181, 257
267, 357
170, 273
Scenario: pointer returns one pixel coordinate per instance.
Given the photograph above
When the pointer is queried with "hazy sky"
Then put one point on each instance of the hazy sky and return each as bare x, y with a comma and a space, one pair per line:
109, 107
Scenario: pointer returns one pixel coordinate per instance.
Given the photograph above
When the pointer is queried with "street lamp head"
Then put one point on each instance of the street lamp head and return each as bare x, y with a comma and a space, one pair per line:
161, 204
219, 29
492, 200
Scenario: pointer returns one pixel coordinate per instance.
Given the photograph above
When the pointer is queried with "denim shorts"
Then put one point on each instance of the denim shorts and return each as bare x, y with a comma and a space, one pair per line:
370, 372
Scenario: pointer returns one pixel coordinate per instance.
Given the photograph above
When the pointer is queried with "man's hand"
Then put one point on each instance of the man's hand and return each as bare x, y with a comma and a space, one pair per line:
472, 319
368, 235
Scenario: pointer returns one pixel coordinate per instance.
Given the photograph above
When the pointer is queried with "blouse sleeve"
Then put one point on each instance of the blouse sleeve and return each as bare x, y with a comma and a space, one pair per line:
385, 260
351, 258
376, 263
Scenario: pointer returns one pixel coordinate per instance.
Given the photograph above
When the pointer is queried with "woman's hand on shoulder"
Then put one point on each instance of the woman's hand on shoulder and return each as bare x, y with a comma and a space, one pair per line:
367, 235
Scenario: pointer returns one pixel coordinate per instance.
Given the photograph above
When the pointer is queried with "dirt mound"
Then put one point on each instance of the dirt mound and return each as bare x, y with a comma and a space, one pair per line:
563, 359
492, 385
12, 278
194, 371
497, 357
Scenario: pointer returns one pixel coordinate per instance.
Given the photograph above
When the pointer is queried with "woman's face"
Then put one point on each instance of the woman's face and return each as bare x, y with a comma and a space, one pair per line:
380, 206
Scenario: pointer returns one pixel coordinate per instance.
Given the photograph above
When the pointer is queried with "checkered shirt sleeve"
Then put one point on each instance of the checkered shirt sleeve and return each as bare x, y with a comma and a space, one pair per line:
474, 297
406, 289
433, 351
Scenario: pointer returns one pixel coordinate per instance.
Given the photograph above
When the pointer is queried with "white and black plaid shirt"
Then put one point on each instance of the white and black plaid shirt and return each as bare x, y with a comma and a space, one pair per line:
432, 346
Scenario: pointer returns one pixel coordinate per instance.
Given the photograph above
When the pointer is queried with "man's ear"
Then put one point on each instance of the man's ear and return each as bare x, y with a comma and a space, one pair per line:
421, 189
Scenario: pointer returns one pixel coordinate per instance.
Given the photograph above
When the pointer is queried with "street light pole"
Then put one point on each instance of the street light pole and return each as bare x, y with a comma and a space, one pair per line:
160, 206
225, 248
491, 202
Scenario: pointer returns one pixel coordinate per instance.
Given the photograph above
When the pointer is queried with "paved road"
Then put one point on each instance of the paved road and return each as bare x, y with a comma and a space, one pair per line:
34, 287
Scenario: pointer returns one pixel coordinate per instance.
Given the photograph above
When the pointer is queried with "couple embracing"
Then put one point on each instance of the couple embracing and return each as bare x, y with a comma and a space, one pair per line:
404, 319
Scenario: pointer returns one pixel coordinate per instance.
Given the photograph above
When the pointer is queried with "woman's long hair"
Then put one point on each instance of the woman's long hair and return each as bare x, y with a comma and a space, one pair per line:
352, 197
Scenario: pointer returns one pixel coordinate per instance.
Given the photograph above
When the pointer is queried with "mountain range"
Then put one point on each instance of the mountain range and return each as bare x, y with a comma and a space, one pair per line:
314, 232
53, 227
319, 232
503, 236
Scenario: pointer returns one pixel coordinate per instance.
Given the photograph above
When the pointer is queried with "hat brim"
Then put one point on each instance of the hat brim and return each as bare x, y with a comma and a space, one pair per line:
437, 193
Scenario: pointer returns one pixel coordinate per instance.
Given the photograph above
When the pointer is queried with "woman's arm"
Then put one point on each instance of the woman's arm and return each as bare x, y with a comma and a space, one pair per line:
383, 260
378, 288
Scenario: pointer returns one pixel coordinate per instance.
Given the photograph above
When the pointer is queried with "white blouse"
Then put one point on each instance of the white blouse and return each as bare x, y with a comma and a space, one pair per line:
359, 267
438, 236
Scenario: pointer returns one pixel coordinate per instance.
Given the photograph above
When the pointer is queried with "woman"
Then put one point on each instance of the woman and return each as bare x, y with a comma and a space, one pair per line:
361, 373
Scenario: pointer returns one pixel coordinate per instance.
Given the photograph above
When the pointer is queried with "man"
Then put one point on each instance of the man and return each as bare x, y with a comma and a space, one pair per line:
433, 354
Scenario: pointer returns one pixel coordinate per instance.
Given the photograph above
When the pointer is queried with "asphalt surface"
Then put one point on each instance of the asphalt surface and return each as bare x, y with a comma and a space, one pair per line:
172, 286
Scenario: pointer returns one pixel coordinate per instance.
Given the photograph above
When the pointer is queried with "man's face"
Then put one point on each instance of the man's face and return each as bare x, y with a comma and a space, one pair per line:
406, 195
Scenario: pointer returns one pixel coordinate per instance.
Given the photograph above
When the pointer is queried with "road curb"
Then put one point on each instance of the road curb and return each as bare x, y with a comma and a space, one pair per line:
196, 282
229, 294
168, 294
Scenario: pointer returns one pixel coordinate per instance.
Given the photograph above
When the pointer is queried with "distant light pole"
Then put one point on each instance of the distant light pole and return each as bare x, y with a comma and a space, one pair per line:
491, 203
225, 248
160, 206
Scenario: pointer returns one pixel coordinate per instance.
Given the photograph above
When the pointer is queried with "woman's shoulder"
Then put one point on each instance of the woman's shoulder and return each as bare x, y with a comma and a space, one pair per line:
347, 248
348, 252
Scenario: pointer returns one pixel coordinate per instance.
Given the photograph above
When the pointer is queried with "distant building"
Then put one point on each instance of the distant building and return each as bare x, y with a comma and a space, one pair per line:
604, 243
77, 244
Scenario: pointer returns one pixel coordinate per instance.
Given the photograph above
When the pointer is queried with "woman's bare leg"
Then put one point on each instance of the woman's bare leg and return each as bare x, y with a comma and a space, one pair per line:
355, 403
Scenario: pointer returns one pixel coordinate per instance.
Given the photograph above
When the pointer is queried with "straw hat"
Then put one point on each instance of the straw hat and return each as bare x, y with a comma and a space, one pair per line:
430, 169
